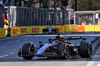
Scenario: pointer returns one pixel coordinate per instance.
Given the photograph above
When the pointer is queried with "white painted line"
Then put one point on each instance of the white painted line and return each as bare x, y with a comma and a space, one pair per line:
98, 65
90, 63
7, 55
96, 56
12, 53
3, 56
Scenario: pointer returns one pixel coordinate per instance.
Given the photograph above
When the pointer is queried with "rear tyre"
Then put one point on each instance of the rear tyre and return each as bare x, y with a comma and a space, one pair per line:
45, 31
26, 49
85, 50
63, 50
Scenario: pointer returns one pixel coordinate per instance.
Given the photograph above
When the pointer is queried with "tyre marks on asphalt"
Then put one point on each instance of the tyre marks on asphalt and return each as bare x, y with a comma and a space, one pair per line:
96, 48
95, 59
6, 55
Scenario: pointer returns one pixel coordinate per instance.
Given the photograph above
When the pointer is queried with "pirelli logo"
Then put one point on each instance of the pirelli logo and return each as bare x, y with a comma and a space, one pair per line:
23, 30
35, 30
15, 31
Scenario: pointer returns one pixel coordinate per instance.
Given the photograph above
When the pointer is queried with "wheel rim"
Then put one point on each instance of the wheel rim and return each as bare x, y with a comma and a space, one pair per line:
65, 53
90, 50
62, 52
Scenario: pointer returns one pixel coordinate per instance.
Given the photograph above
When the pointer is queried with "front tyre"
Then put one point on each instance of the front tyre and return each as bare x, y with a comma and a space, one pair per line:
26, 49
27, 57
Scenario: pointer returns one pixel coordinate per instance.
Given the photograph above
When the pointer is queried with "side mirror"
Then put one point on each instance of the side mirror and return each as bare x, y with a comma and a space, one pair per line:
40, 42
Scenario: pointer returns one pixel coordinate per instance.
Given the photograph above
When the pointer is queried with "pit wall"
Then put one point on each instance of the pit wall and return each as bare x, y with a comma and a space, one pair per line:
2, 33
15, 31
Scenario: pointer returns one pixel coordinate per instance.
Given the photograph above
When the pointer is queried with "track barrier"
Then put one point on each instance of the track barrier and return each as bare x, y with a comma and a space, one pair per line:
2, 33
15, 31
80, 29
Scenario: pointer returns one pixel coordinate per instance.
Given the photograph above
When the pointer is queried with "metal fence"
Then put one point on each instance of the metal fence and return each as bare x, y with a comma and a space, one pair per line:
1, 17
22, 16
84, 16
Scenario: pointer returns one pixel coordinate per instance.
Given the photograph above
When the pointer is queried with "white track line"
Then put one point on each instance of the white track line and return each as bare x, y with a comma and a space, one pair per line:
12, 53
7, 55
3, 56
90, 63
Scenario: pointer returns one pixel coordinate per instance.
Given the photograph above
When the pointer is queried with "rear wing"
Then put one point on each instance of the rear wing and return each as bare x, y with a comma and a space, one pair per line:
75, 37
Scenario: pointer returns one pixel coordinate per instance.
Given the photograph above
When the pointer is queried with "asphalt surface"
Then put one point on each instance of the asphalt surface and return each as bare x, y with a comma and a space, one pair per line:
9, 49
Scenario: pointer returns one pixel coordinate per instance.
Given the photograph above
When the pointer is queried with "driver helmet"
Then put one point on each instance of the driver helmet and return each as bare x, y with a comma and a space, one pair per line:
59, 37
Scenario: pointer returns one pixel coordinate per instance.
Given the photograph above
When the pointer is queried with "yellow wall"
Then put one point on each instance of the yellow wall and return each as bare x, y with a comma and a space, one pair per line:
66, 28
15, 31
2, 33
89, 28
31, 30
97, 28
25, 30
70, 28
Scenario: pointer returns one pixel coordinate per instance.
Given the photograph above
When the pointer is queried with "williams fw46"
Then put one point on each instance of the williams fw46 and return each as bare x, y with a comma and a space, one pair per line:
50, 30
59, 47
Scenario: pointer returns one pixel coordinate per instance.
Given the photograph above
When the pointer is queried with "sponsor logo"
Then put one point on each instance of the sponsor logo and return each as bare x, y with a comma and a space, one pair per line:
23, 30
35, 30
15, 31
60, 29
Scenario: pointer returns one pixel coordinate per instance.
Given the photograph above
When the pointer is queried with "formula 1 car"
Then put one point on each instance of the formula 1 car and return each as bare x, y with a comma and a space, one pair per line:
58, 47
50, 30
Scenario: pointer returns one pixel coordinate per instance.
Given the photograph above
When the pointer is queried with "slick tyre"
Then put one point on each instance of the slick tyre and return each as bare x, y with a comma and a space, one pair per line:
45, 31
85, 50
63, 50
26, 49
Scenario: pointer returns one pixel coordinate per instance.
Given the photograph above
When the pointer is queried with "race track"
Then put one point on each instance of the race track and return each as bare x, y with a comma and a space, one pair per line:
9, 48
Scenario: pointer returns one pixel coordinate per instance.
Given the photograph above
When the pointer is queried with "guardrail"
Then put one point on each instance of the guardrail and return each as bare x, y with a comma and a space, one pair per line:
15, 31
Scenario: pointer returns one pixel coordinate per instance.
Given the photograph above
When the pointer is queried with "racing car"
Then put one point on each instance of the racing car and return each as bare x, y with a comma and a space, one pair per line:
50, 30
58, 47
